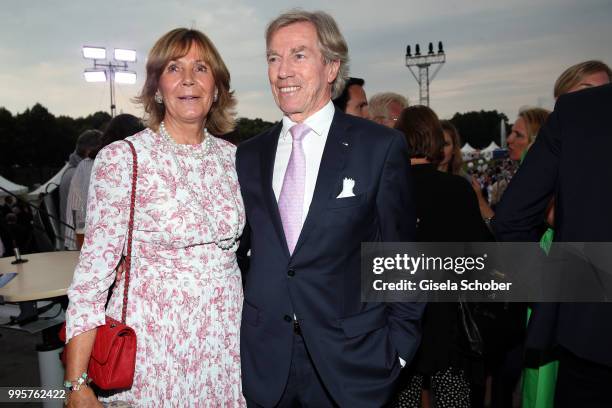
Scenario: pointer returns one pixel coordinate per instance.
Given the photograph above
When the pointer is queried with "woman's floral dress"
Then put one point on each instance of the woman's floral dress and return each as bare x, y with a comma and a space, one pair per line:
185, 293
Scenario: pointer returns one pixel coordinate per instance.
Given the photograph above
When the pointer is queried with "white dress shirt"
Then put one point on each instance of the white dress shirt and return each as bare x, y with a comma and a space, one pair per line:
313, 144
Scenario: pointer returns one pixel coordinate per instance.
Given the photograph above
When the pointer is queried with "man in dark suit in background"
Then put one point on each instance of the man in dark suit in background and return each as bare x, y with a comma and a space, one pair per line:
316, 186
352, 100
570, 159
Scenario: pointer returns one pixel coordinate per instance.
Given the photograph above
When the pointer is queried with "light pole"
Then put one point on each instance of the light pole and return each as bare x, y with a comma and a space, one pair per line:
423, 62
115, 70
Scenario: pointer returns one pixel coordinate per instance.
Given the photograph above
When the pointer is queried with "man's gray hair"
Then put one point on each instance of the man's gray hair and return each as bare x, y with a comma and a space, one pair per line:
87, 141
378, 103
331, 42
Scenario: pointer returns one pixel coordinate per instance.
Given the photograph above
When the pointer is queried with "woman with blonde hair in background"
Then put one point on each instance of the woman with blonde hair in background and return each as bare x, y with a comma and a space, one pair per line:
505, 360
522, 136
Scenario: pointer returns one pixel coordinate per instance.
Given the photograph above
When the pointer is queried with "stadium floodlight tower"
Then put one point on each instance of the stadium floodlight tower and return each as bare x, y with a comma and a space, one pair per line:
113, 70
423, 62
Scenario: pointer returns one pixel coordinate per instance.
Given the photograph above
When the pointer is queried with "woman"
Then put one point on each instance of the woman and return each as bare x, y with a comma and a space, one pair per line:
447, 211
522, 136
452, 162
185, 293
507, 332
120, 127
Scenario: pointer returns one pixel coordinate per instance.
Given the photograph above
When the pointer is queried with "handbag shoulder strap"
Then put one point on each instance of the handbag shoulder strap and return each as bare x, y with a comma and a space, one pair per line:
128, 257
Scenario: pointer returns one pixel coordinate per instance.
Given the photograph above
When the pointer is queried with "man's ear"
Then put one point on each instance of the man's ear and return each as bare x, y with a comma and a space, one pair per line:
332, 70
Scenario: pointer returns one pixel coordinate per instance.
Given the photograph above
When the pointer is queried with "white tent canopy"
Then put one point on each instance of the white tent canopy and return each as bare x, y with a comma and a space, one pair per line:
16, 189
490, 148
49, 186
467, 148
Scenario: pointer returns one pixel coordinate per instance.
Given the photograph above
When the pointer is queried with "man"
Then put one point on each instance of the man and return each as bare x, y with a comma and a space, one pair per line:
7, 207
86, 143
352, 100
316, 186
385, 108
570, 153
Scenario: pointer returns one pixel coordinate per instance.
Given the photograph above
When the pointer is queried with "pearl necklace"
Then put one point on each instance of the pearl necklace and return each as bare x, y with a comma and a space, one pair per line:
207, 145
185, 148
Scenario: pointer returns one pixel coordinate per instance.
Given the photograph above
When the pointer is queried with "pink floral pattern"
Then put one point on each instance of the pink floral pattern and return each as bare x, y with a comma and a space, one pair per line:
185, 294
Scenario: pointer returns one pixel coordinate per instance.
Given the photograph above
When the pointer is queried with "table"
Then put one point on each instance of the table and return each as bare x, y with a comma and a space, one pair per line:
46, 275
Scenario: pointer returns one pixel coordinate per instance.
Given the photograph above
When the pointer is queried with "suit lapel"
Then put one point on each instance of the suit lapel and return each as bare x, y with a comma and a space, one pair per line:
268, 155
329, 177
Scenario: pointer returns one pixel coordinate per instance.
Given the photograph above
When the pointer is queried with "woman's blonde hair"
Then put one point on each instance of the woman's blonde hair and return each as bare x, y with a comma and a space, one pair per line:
534, 119
176, 44
574, 74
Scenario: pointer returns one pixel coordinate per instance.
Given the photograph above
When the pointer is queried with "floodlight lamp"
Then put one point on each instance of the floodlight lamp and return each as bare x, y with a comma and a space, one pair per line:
125, 55
125, 77
95, 75
96, 53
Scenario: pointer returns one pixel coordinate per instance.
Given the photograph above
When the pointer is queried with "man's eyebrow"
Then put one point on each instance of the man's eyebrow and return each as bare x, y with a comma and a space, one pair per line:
298, 49
293, 50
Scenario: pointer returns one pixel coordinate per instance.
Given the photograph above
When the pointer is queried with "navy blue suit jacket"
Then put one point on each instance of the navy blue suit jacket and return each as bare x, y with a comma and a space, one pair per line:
355, 346
570, 159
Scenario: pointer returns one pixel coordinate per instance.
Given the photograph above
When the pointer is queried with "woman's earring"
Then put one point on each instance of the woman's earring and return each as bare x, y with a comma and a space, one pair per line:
216, 96
158, 97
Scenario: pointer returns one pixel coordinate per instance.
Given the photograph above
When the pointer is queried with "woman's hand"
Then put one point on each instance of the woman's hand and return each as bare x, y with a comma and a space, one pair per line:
78, 352
83, 398
485, 209
477, 188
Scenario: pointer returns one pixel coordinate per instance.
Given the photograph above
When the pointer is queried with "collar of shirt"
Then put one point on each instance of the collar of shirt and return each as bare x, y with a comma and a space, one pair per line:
319, 122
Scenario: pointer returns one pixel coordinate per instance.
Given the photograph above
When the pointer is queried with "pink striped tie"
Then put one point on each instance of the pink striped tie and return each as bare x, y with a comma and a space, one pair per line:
291, 199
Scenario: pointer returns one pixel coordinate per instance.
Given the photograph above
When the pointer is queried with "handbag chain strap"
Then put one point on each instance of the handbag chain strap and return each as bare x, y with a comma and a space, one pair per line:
128, 257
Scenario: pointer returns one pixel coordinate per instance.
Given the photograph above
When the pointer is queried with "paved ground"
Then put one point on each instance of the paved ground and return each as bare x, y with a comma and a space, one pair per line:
19, 364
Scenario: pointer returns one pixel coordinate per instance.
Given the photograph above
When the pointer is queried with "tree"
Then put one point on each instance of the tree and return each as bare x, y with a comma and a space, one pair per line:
7, 130
479, 129
247, 128
36, 138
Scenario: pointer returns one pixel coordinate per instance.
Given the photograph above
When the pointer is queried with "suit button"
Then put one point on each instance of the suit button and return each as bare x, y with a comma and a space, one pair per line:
291, 272
288, 318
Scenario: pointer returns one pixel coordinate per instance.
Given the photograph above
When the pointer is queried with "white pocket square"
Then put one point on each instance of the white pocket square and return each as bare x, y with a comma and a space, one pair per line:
347, 188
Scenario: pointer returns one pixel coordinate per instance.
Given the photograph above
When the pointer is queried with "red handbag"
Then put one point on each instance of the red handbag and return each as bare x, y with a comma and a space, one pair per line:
113, 357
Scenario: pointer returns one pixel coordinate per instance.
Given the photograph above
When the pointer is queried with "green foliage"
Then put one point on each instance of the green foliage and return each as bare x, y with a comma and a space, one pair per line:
36, 138
479, 128
247, 128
